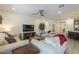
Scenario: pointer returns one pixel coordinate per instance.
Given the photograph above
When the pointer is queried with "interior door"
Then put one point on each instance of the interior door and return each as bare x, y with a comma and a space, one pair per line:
62, 26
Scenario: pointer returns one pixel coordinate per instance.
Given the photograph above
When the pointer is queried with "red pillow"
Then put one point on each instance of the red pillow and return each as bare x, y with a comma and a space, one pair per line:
62, 38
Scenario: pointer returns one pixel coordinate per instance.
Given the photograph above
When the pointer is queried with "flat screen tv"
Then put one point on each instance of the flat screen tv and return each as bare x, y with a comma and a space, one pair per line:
28, 27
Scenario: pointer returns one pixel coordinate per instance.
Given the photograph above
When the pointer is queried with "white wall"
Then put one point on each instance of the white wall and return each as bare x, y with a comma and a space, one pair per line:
69, 24
65, 23
15, 21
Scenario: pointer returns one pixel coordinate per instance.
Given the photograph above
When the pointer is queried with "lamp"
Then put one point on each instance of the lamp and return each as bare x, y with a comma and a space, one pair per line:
7, 28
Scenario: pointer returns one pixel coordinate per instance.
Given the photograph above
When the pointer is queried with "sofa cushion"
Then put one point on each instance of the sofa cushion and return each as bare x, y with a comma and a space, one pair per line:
53, 41
10, 40
2, 39
43, 47
2, 35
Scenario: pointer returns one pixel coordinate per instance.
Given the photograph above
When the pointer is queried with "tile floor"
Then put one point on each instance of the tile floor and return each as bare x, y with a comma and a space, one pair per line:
73, 47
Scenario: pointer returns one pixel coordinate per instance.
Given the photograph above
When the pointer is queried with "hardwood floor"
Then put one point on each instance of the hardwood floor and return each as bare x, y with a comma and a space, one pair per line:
73, 47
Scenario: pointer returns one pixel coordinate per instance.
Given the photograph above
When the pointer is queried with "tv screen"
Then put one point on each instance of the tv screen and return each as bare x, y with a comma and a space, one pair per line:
28, 27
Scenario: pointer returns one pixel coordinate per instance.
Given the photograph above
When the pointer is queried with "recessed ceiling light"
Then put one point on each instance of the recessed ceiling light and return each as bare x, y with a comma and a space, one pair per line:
59, 12
13, 8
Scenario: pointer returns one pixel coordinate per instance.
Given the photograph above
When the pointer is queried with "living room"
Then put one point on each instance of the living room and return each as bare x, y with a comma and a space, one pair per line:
55, 18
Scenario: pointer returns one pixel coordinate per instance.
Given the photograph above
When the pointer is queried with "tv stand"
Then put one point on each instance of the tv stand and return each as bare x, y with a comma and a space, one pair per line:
28, 30
26, 34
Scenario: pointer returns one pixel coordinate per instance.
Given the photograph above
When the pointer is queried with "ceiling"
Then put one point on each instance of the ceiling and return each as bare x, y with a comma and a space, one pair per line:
51, 10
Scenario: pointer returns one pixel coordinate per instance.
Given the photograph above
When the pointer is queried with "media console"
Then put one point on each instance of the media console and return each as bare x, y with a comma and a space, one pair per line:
27, 34
28, 30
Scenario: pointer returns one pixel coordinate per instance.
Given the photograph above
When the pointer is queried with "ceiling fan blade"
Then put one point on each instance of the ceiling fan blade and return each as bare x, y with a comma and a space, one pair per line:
42, 14
35, 13
60, 6
41, 10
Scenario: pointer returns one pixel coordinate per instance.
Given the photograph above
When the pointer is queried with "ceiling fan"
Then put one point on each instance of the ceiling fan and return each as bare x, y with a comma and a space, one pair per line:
61, 5
40, 12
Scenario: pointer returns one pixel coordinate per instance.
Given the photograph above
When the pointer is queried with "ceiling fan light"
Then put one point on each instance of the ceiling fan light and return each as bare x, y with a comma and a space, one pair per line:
59, 12
13, 8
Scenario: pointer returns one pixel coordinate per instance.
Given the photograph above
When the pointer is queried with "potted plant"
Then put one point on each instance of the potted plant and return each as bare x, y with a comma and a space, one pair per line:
42, 27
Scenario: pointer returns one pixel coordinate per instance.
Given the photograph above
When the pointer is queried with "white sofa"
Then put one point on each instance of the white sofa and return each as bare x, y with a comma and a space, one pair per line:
41, 45
48, 49
7, 49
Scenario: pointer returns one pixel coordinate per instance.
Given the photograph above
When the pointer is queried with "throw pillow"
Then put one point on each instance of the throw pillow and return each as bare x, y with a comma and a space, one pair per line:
10, 40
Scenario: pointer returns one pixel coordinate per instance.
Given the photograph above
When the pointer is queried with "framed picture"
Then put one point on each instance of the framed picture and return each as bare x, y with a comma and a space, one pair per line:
76, 24
0, 19
53, 27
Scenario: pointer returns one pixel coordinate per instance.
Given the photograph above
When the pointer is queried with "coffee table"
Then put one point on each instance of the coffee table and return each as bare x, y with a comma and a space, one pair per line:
37, 38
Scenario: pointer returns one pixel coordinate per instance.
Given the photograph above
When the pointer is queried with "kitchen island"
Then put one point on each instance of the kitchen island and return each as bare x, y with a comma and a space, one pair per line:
73, 35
